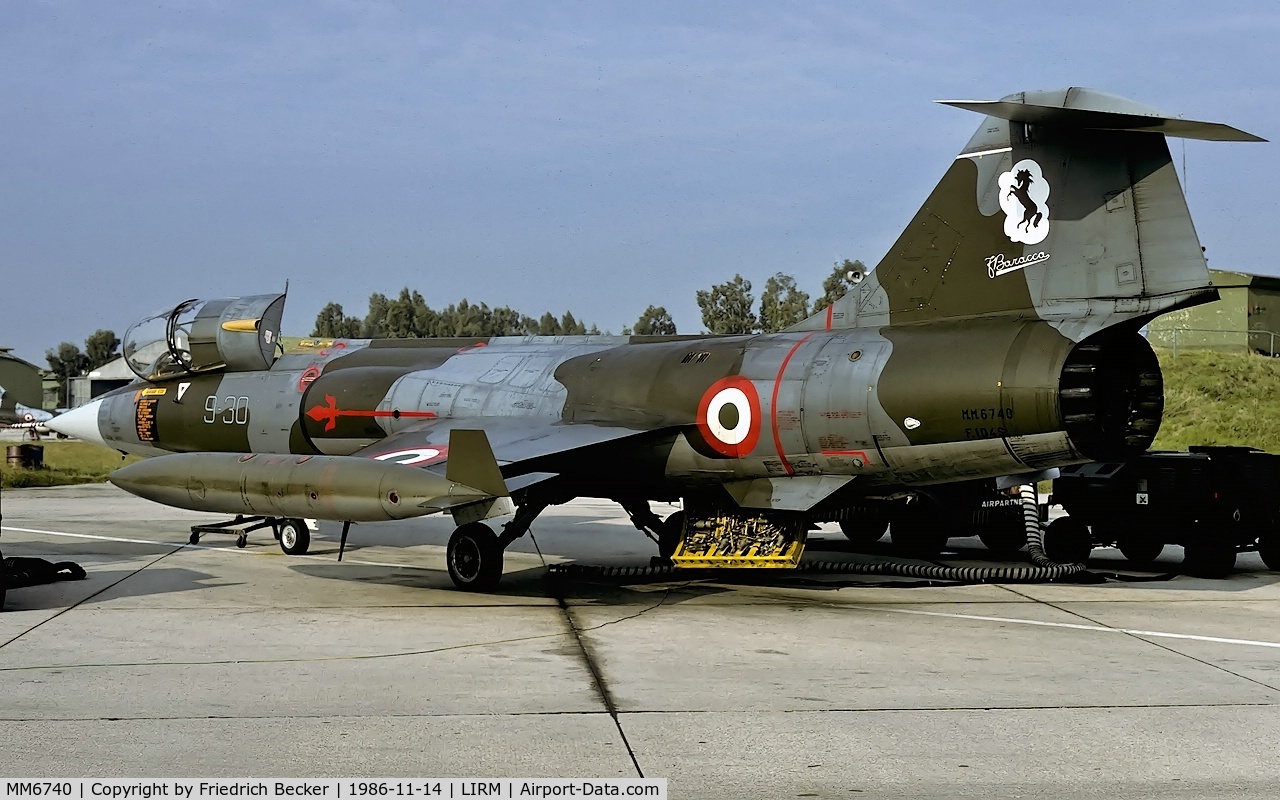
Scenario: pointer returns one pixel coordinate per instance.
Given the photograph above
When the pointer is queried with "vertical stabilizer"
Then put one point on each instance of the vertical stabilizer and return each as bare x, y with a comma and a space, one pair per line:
1064, 206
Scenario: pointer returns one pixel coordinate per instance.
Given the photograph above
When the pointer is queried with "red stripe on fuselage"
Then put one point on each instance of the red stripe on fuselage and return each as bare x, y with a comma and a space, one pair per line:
773, 403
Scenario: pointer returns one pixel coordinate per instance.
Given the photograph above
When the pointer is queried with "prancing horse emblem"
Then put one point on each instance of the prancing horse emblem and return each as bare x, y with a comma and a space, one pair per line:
1024, 196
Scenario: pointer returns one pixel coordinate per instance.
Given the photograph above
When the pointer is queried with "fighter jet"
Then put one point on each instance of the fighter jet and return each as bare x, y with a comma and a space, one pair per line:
16, 415
998, 339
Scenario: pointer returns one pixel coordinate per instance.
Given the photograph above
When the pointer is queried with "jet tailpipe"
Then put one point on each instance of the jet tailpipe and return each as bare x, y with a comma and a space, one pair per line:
317, 487
1111, 395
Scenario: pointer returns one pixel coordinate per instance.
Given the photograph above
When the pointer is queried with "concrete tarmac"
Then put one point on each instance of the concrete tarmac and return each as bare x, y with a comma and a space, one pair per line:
210, 661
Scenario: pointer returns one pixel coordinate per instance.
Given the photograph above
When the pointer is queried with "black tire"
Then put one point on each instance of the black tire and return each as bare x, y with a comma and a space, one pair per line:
241, 541
1209, 559
1269, 549
919, 533
194, 538
865, 530
474, 558
1141, 550
1004, 532
1067, 541
295, 539
670, 535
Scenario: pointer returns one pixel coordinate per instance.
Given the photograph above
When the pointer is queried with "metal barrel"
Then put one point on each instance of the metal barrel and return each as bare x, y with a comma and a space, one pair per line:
316, 487
29, 456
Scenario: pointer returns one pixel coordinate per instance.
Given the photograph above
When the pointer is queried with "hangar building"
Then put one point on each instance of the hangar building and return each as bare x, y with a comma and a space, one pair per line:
1246, 318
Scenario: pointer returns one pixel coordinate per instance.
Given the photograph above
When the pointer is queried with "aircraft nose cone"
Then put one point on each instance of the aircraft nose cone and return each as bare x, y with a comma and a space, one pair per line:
82, 423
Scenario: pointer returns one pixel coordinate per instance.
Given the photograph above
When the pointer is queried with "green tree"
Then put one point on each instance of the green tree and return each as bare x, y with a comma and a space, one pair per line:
101, 347
332, 323
569, 326
655, 321
548, 325
726, 307
375, 322
66, 362
782, 304
506, 321
837, 283
408, 316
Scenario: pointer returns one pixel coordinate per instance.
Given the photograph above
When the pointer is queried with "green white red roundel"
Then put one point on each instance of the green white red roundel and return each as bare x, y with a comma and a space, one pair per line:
729, 416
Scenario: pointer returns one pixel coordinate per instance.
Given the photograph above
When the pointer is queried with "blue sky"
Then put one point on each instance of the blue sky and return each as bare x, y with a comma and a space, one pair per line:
593, 157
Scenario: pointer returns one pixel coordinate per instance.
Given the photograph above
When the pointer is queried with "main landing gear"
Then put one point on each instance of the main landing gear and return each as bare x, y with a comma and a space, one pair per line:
475, 552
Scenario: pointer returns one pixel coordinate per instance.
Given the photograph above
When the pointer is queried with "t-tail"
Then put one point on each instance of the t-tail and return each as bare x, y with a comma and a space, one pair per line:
1064, 206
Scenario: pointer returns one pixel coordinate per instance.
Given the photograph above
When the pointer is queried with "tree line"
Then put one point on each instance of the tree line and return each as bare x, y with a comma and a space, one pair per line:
409, 317
727, 308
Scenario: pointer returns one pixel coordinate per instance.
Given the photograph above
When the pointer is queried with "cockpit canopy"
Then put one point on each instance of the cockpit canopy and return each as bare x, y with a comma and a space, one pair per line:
232, 333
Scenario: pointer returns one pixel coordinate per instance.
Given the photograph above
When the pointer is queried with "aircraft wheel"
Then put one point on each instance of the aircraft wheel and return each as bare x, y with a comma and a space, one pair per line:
919, 533
670, 535
474, 558
1004, 531
1269, 548
1067, 541
241, 541
194, 538
1139, 549
295, 539
1209, 559
864, 531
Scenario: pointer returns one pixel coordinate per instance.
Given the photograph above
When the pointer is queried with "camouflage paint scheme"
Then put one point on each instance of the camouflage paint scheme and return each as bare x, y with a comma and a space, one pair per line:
998, 337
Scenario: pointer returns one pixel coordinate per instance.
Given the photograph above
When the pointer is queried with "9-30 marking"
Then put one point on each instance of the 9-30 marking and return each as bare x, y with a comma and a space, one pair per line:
231, 411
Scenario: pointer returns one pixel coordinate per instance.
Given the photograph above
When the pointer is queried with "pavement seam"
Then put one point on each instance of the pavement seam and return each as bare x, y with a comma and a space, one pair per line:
597, 678
731, 711
86, 599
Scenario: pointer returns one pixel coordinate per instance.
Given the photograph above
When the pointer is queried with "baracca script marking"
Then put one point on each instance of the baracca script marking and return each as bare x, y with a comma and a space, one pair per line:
999, 265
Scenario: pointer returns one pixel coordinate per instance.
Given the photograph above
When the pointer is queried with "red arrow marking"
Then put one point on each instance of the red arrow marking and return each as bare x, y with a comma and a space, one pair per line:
328, 414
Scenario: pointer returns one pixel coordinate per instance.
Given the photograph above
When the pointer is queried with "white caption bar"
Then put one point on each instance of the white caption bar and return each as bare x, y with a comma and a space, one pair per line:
333, 788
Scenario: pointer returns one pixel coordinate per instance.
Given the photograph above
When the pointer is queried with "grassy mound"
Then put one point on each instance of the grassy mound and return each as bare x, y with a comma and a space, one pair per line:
65, 463
1219, 398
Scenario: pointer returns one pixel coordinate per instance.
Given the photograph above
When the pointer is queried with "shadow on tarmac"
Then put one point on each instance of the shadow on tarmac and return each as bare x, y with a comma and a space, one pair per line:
98, 587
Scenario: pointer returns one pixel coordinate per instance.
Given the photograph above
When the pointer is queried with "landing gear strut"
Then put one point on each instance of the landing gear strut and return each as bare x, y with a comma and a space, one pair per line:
474, 555
667, 534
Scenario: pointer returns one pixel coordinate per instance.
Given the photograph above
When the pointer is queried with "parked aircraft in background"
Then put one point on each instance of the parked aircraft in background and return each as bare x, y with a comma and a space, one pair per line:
16, 415
998, 338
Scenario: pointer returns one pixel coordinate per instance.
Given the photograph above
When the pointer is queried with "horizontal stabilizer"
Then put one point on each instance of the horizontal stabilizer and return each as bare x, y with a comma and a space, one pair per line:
1101, 119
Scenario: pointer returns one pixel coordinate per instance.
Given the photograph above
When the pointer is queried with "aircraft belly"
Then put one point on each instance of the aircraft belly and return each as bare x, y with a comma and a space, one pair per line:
988, 458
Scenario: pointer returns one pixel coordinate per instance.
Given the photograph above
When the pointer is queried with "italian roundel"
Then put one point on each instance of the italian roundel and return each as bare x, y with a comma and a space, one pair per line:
729, 416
